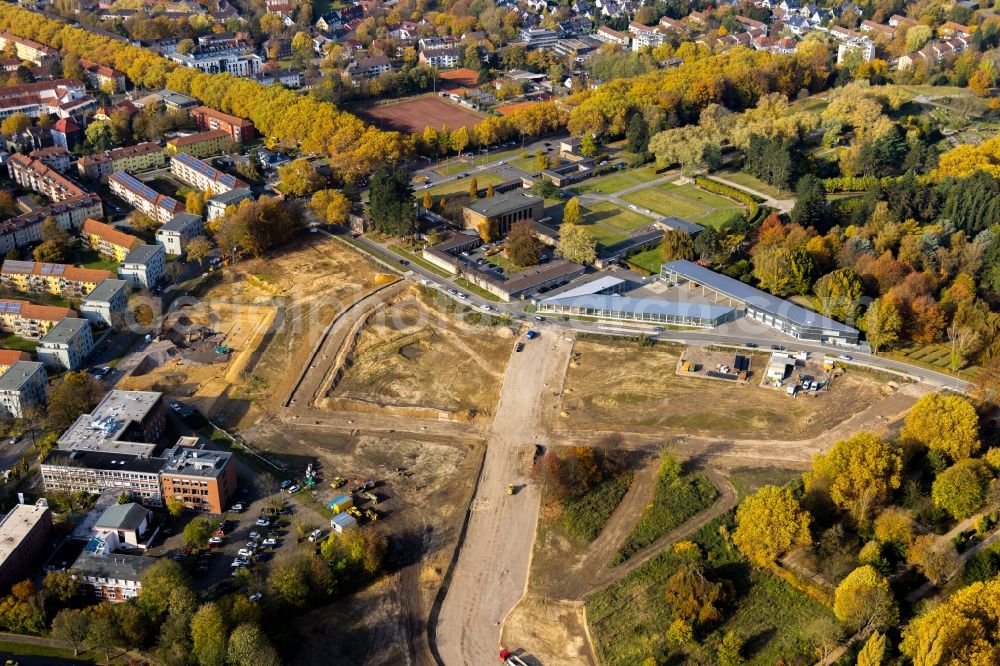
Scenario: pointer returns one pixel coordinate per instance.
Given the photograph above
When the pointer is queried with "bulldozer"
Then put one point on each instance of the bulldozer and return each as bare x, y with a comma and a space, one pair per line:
354, 511
371, 515
510, 488
337, 482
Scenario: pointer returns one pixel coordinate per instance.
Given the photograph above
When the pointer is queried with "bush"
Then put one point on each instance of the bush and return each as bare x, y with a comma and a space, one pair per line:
584, 517
753, 206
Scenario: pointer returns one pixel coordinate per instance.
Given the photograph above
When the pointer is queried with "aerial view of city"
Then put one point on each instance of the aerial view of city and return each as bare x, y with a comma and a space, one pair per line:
518, 332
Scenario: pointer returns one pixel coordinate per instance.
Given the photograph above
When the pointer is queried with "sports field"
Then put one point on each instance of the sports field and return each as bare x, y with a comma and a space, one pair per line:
415, 114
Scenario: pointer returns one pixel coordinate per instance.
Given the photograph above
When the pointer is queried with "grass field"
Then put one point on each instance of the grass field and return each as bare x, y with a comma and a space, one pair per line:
584, 517
418, 260
676, 498
934, 357
17, 343
452, 168
478, 291
746, 180
616, 182
605, 221
88, 258
629, 621
686, 202
650, 259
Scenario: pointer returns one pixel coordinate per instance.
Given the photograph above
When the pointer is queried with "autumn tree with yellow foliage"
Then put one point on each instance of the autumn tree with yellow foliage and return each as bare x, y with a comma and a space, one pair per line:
859, 473
944, 422
770, 523
962, 631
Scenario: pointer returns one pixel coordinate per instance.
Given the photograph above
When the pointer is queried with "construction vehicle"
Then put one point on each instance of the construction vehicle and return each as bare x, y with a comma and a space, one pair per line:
510, 488
511, 659
371, 514
370, 496
338, 481
354, 511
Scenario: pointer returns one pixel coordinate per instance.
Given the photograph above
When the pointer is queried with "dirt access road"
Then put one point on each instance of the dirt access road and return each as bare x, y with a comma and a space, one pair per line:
491, 571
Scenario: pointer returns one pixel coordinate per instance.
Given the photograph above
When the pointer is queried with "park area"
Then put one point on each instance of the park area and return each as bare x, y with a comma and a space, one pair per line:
409, 358
687, 202
413, 115
615, 384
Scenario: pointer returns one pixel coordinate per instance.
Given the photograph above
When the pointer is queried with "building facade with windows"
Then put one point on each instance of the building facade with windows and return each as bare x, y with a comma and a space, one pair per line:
144, 266
108, 240
45, 278
24, 385
107, 305
143, 198
67, 345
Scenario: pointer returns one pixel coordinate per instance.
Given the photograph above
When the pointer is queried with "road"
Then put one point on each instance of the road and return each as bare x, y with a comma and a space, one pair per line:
491, 571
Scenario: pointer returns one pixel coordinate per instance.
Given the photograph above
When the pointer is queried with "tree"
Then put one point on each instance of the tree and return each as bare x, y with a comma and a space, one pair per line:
965, 629
473, 188
198, 248
769, 523
391, 206
428, 202
103, 632
460, 139
248, 647
332, 206
894, 526
199, 531
161, 579
490, 191
917, 36
859, 473
175, 507
676, 244
961, 489
811, 208
50, 252
730, 650
15, 123
76, 394
874, 651
588, 147
71, 626
936, 558
299, 178
636, 136
864, 602
521, 246
882, 323
99, 136
689, 595
572, 213
194, 203
290, 578
208, 636
60, 586
838, 294
783, 271
575, 244
944, 422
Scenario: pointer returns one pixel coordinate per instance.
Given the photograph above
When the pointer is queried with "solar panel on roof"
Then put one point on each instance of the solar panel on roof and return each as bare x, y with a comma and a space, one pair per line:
46, 269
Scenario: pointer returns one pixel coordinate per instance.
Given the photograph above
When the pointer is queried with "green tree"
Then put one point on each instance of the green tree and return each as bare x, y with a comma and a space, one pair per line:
158, 582
299, 178
961, 489
769, 523
331, 206
76, 394
522, 246
572, 213
839, 293
811, 208
676, 244
104, 633
783, 271
99, 135
864, 602
15, 123
882, 323
874, 651
72, 626
588, 147
391, 206
199, 531
859, 473
575, 244
248, 647
731, 650
290, 578
636, 136
208, 636
945, 422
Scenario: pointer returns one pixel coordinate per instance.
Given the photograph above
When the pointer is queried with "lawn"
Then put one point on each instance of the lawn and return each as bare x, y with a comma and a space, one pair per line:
746, 180
88, 258
629, 621
603, 221
676, 498
934, 357
19, 649
665, 204
452, 168
501, 260
19, 344
478, 291
418, 260
687, 202
650, 259
584, 517
607, 184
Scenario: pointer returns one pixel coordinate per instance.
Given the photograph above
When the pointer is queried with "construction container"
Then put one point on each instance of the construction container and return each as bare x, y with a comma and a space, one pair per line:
340, 503
343, 522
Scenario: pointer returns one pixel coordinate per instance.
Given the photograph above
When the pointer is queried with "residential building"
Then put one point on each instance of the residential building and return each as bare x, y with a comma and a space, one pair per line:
54, 157
123, 526
107, 304
66, 345
216, 205
369, 67
865, 48
107, 240
23, 386
645, 35
104, 78
67, 133
53, 90
202, 144
290, 78
27, 49
443, 58
114, 578
26, 229
143, 198
240, 129
25, 534
28, 320
232, 56
202, 175
9, 357
130, 159
144, 266
35, 175
538, 37
609, 36
772, 311
175, 234
199, 478
45, 278
497, 214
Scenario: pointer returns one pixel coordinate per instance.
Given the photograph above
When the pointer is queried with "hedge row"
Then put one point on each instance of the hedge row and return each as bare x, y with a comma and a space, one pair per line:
731, 192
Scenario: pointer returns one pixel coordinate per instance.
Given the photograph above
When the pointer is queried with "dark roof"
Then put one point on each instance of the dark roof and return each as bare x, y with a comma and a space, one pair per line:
101, 460
114, 567
127, 516
105, 290
503, 203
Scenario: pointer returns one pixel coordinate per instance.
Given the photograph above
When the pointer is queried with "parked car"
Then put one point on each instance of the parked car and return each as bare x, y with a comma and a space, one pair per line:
316, 534
519, 347
270, 543
263, 522
778, 347
176, 406
846, 357
238, 507
750, 345
531, 335
215, 542
285, 484
255, 536
256, 596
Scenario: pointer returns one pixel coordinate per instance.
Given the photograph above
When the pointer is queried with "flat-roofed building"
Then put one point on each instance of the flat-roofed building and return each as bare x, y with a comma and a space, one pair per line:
497, 214
203, 176
25, 535
144, 266
28, 320
107, 305
175, 234
67, 345
202, 144
46, 278
108, 240
22, 386
200, 479
125, 422
96, 472
770, 310
143, 198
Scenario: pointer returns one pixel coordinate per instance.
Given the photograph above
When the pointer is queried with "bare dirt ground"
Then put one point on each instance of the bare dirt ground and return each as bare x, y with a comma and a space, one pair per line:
408, 356
617, 386
416, 114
